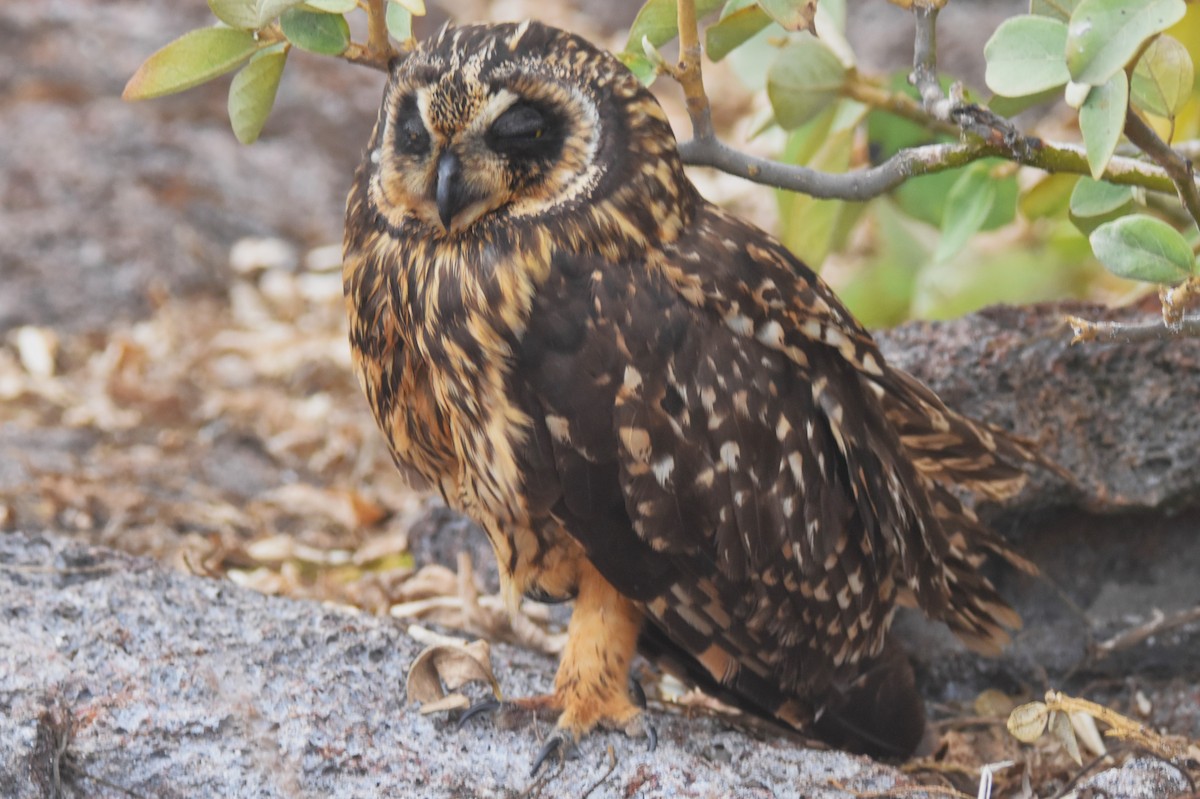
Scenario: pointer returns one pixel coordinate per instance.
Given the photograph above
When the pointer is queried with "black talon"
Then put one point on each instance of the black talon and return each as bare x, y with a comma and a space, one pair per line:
637, 693
652, 736
483, 706
555, 743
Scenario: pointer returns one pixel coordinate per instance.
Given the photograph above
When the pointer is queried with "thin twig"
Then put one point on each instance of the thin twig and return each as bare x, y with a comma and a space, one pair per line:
1132, 333
612, 766
378, 44
689, 74
864, 184
1158, 623
1083, 772
1176, 299
895, 103
924, 74
1179, 168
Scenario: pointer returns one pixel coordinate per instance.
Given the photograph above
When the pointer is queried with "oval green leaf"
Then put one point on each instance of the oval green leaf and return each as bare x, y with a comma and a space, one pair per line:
194, 58
1049, 197
1162, 80
323, 34
399, 21
249, 14
1104, 35
792, 15
1025, 56
1097, 198
1101, 120
415, 7
1141, 247
733, 29
657, 22
803, 81
331, 6
967, 207
1058, 9
252, 93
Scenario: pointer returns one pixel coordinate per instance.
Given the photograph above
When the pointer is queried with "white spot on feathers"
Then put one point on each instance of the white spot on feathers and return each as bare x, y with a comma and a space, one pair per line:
730, 452
663, 468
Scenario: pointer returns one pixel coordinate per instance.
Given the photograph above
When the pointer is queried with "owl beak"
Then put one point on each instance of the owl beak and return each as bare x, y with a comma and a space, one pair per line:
450, 193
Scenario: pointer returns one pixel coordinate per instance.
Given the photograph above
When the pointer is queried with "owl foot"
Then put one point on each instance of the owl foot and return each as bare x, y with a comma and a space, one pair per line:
564, 744
539, 706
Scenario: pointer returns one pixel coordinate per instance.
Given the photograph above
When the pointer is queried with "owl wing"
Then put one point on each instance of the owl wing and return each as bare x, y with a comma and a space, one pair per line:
719, 442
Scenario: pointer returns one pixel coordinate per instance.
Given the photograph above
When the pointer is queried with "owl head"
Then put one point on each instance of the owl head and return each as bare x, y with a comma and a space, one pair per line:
494, 124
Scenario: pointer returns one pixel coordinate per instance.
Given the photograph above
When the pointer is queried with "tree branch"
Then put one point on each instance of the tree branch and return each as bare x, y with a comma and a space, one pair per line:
1176, 166
992, 135
379, 47
1132, 333
863, 184
688, 72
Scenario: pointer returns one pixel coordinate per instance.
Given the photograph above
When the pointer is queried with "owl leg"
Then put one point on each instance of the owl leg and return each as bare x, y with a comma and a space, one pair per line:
592, 685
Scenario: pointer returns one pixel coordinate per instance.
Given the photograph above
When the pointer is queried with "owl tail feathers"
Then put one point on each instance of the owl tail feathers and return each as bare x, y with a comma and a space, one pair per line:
953, 449
877, 713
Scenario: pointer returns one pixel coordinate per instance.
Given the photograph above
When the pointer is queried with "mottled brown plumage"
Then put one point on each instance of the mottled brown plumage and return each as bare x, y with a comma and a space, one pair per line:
650, 405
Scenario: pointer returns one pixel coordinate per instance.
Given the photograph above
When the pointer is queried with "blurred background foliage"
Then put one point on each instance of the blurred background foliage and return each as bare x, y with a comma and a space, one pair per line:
938, 245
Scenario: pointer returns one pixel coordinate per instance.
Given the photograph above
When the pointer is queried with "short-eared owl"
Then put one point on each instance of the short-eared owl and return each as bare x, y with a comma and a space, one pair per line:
649, 405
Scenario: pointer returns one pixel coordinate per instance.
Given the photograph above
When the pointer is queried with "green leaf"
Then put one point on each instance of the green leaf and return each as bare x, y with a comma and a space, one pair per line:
835, 12
809, 226
399, 21
803, 81
657, 22
1025, 56
733, 29
1097, 198
643, 68
1059, 9
1141, 247
323, 34
252, 93
1049, 197
194, 58
1162, 81
415, 7
1011, 106
1101, 120
793, 15
880, 293
249, 14
331, 6
1104, 35
967, 206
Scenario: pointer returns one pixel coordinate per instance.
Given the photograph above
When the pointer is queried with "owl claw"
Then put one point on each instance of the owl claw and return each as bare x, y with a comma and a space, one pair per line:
558, 742
637, 693
479, 708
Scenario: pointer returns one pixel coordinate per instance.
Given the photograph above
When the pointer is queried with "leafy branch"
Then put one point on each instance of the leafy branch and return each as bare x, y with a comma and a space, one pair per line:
256, 37
1119, 67
1118, 60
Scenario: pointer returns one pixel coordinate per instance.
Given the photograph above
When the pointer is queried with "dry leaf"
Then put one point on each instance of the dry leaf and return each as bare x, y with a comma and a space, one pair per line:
1061, 729
1028, 722
993, 703
1088, 733
447, 667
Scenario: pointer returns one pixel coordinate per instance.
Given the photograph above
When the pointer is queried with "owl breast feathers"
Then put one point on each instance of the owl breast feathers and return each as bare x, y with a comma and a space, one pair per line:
651, 406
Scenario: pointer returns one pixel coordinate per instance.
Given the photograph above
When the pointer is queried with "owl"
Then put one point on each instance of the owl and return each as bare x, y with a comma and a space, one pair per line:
651, 406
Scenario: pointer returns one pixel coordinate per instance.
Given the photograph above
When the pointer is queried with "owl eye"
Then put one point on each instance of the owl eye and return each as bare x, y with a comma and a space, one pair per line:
524, 131
411, 136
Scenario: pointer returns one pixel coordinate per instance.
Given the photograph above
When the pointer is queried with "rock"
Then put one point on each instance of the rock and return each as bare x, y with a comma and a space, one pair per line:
163, 684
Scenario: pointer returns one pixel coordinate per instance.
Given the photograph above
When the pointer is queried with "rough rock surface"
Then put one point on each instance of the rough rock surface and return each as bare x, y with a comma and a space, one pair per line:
180, 686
